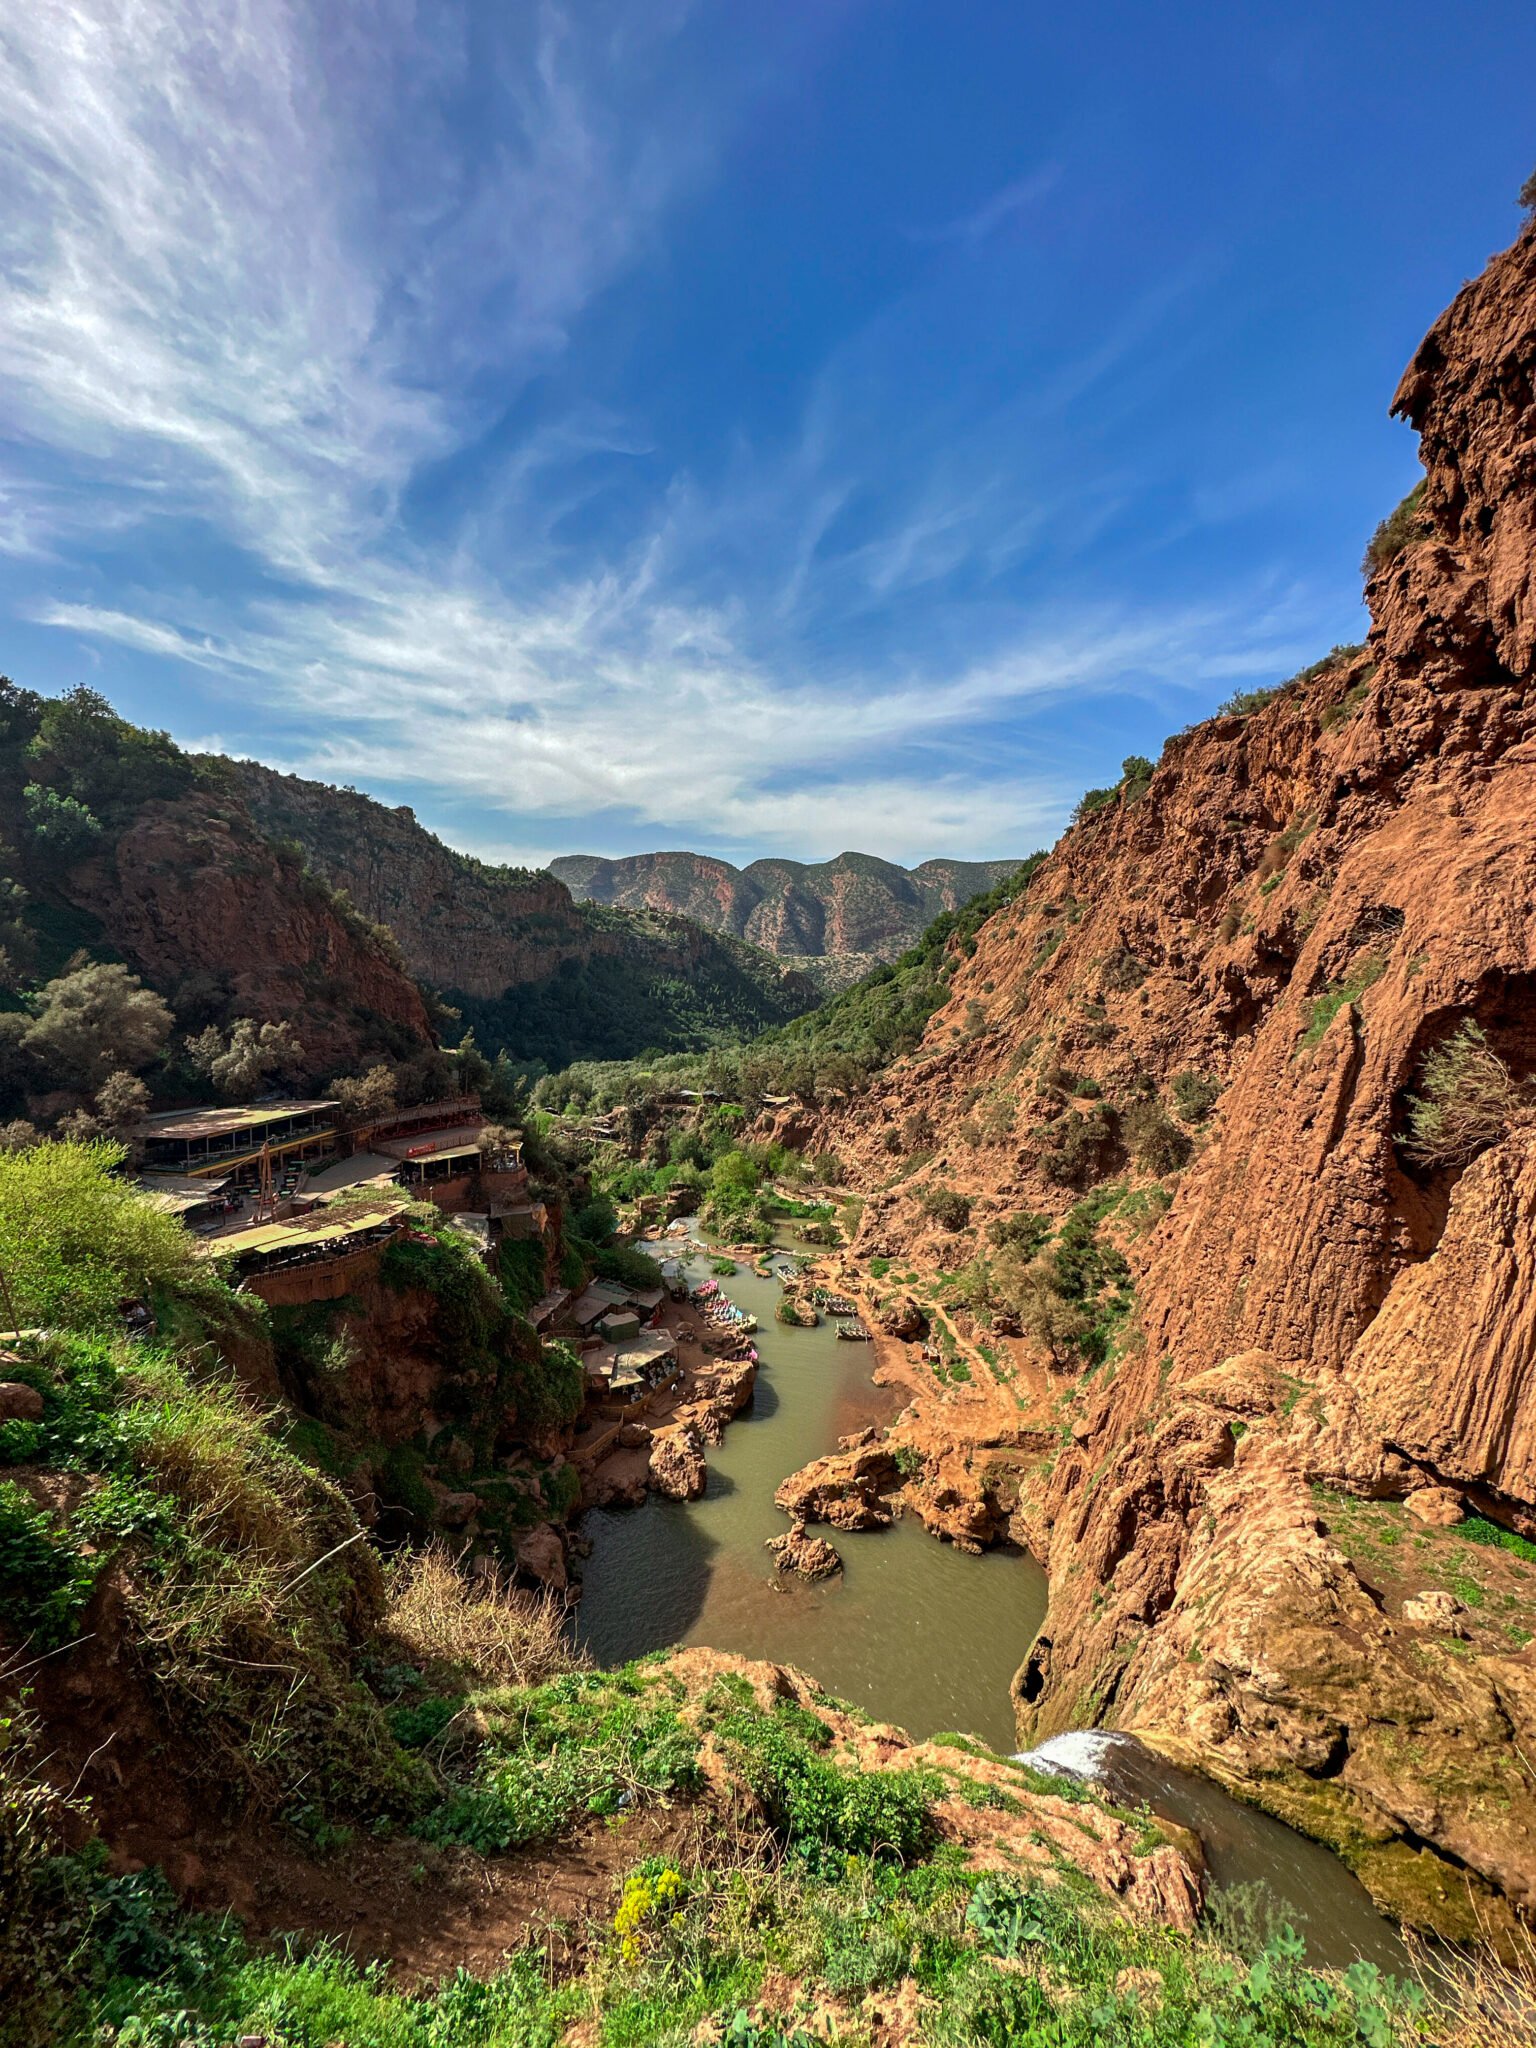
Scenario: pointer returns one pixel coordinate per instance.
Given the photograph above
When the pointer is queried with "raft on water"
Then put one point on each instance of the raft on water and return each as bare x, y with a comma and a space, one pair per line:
853, 1333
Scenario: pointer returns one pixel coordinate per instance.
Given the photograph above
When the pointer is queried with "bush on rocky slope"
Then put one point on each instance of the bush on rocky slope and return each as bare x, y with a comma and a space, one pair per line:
1467, 1100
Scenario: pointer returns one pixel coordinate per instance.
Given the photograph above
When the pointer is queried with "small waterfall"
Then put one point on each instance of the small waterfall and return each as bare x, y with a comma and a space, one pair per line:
1083, 1753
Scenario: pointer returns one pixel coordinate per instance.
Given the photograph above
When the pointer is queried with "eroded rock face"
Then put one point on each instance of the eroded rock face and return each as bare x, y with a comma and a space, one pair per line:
1297, 907
854, 908
480, 930
677, 1463
191, 889
847, 1489
1447, 1371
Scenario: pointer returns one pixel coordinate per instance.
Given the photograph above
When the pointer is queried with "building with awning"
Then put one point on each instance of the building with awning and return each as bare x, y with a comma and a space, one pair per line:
304, 1240
308, 1259
198, 1144
628, 1371
451, 1159
193, 1200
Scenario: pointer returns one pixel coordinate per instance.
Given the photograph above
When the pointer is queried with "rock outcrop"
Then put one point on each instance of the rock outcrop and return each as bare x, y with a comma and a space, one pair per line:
854, 910
1200, 1031
991, 1808
797, 1550
719, 1391
677, 1463
848, 1489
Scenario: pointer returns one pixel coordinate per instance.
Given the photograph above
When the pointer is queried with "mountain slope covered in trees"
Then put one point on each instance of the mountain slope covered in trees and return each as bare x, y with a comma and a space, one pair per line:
544, 978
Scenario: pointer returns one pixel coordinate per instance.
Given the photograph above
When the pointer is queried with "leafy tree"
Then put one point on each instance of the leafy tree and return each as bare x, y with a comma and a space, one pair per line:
1527, 194
365, 1096
121, 1100
63, 829
75, 1239
82, 749
498, 1145
252, 1054
95, 1020
946, 1206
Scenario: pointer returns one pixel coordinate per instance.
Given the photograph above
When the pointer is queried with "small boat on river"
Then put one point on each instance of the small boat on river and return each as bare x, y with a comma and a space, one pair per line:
853, 1333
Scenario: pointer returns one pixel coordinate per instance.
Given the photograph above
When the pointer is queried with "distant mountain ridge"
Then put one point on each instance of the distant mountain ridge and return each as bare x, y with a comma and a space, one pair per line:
531, 971
854, 909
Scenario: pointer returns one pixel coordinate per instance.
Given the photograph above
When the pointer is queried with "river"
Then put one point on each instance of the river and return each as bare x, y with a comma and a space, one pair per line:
913, 1631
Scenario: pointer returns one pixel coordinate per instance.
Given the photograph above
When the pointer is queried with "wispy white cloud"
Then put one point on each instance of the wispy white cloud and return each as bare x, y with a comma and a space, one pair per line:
1019, 195
253, 280
614, 708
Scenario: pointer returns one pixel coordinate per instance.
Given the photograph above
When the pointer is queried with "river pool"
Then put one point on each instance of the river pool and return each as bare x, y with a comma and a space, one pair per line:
912, 1630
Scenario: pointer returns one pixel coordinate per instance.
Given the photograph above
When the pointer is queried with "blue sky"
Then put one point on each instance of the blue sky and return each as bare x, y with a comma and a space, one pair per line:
757, 429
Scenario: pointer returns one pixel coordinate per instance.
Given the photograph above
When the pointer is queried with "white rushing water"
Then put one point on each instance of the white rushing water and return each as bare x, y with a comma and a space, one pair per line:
1083, 1753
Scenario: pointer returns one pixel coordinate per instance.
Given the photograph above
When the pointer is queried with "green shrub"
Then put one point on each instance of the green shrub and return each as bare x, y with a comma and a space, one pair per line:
1122, 971
63, 829
1404, 525
520, 1269
1326, 1005
1478, 1529
1024, 1233
946, 1206
1195, 1096
1157, 1144
75, 1240
1466, 1101
44, 1579
1093, 800
1076, 1145
818, 1805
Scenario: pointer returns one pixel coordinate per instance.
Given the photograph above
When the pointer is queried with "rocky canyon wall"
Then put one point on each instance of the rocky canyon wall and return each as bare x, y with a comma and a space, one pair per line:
1252, 1519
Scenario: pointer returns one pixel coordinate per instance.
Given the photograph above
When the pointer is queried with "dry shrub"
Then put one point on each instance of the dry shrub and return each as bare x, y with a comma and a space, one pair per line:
1467, 1102
1478, 1998
482, 1626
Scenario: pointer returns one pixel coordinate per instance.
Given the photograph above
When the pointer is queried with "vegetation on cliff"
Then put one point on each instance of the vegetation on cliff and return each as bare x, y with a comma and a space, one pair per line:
120, 981
537, 976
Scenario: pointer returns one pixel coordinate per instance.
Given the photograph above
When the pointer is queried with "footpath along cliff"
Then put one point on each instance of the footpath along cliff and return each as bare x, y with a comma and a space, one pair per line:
1231, 1112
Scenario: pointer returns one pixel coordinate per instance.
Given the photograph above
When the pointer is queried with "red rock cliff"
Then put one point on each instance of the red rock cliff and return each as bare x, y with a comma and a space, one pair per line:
1299, 905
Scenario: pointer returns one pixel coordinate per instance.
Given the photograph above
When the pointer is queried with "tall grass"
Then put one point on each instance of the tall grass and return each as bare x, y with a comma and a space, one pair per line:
479, 1626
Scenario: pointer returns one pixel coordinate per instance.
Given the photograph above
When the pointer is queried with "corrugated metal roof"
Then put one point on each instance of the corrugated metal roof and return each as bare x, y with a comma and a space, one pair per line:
212, 1122
296, 1234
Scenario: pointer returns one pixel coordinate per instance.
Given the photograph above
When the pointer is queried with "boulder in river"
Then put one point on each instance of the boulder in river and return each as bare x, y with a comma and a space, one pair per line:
799, 1551
677, 1463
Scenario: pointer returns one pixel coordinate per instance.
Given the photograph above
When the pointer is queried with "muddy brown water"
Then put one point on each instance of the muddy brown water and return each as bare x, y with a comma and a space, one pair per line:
913, 1631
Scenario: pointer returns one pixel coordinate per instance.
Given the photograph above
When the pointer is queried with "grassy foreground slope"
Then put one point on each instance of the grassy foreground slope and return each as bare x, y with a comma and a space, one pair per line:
257, 1778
